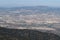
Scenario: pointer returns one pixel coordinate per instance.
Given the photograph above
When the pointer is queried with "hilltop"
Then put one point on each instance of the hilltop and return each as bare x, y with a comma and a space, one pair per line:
26, 34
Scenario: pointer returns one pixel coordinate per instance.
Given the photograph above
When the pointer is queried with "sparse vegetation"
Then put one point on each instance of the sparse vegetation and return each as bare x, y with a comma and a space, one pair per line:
25, 34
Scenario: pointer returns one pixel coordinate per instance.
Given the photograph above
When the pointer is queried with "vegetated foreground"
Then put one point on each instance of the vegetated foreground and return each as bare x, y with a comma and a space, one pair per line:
25, 34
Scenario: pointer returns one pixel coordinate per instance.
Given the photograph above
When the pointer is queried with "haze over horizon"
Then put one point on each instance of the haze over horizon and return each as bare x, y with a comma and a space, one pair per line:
18, 3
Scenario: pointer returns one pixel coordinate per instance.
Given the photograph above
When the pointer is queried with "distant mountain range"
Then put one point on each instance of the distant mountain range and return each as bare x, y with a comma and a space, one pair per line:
40, 8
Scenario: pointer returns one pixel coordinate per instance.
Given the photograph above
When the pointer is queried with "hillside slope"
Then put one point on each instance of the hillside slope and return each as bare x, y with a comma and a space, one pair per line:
25, 34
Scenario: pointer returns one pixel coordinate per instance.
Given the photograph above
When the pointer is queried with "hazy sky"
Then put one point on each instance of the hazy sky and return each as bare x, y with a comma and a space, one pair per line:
12, 3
